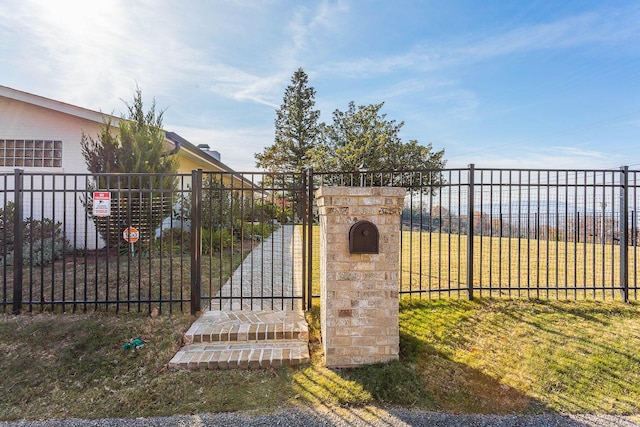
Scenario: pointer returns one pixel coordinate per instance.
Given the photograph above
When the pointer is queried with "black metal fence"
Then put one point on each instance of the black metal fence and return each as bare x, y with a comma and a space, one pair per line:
532, 233
141, 242
255, 223
466, 232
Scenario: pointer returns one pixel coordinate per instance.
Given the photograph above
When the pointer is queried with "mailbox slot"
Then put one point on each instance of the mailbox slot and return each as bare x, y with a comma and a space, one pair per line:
364, 238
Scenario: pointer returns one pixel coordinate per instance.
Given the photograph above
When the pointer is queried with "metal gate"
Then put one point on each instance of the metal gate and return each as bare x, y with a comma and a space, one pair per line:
258, 226
206, 240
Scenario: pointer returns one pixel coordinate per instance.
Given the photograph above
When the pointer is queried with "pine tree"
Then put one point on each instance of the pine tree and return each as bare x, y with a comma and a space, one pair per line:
137, 146
296, 129
296, 134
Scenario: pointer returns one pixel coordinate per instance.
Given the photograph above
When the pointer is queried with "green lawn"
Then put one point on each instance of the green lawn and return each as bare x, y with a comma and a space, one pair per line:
521, 267
485, 356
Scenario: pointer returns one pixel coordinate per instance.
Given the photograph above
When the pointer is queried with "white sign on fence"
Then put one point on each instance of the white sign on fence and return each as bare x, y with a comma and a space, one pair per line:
101, 203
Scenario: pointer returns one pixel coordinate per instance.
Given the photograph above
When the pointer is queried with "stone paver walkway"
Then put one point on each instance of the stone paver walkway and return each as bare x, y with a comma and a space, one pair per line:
257, 319
269, 278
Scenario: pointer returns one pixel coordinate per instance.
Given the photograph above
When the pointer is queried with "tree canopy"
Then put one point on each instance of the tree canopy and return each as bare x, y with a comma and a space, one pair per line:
364, 135
358, 135
296, 128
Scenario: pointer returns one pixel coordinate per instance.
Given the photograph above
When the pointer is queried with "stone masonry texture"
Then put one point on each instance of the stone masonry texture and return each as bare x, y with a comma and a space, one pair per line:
359, 292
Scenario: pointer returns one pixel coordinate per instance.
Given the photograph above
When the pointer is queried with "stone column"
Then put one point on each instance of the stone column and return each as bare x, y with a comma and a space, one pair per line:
359, 292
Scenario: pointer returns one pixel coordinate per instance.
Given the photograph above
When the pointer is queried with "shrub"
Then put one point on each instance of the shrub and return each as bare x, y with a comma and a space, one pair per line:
215, 240
43, 241
174, 240
137, 146
258, 230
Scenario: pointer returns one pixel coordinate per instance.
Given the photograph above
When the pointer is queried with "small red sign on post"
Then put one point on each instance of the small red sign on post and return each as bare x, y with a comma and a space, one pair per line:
101, 203
131, 234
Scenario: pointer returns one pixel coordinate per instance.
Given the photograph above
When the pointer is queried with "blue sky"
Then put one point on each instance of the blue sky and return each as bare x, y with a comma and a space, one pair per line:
551, 84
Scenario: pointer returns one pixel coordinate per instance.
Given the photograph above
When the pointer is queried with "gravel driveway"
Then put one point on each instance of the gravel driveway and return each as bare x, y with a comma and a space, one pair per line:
324, 416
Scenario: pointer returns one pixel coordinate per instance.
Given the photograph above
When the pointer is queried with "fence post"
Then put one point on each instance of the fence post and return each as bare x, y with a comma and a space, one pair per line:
196, 240
624, 233
309, 232
18, 239
303, 200
470, 232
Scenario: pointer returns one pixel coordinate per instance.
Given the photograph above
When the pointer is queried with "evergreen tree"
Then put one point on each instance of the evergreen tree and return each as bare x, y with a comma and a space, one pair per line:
296, 133
296, 129
137, 146
364, 135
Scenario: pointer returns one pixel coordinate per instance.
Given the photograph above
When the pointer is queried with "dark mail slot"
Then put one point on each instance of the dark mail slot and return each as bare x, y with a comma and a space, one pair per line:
363, 238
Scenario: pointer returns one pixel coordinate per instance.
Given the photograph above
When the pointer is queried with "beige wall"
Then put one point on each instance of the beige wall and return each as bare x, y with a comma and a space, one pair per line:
359, 292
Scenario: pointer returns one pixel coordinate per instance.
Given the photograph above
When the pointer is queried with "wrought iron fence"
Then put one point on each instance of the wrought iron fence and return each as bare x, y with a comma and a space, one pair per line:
145, 242
59, 253
466, 232
531, 233
260, 219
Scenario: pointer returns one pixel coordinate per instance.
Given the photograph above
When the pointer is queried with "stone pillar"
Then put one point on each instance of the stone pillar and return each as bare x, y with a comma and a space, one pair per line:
359, 292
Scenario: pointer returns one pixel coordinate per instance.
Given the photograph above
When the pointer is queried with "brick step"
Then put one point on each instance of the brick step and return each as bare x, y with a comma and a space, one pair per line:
244, 340
247, 326
271, 354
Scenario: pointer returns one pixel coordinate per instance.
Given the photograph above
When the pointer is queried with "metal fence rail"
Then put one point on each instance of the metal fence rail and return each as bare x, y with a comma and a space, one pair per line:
192, 231
56, 255
531, 233
466, 232
239, 215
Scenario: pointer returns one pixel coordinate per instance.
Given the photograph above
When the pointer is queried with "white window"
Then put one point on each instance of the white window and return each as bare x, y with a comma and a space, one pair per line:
30, 153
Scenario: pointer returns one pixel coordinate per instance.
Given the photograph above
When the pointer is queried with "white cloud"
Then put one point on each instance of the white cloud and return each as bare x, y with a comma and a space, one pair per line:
307, 22
555, 157
92, 54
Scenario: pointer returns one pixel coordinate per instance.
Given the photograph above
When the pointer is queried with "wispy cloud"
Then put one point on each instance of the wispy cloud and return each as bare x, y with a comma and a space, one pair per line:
610, 26
239, 85
308, 21
554, 157
92, 54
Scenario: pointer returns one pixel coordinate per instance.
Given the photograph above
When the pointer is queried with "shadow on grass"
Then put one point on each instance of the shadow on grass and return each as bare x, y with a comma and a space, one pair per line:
423, 377
569, 357
496, 357
426, 378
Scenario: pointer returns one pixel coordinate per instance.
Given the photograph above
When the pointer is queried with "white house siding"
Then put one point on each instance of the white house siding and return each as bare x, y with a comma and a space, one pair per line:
20, 120
24, 116
24, 121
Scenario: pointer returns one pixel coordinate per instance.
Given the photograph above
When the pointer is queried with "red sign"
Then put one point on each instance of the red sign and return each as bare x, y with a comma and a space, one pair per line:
131, 234
101, 203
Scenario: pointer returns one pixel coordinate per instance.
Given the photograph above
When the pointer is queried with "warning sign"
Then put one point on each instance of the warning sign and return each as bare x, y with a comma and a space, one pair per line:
131, 234
101, 203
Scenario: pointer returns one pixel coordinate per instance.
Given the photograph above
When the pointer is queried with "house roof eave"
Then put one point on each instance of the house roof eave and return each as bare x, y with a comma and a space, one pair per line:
59, 106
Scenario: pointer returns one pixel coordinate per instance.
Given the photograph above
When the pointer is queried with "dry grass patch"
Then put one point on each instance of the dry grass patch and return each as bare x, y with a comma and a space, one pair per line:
122, 283
61, 366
